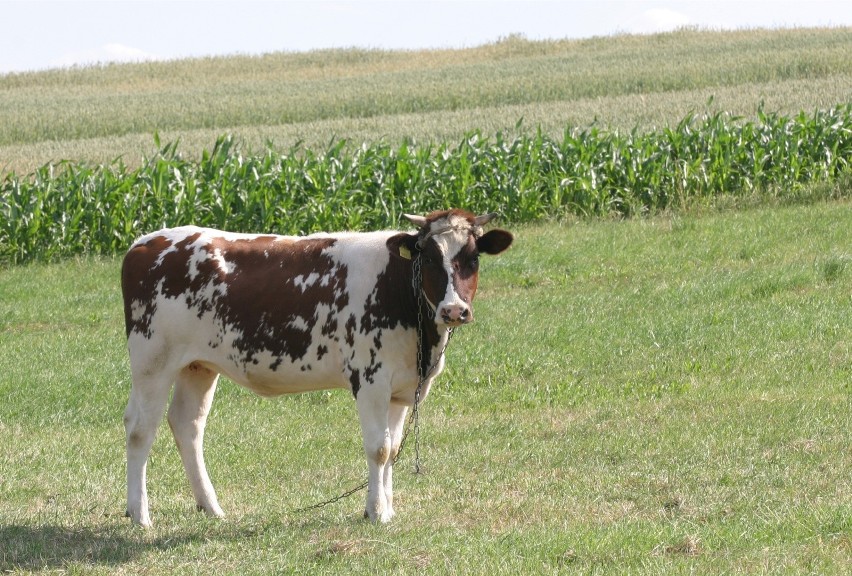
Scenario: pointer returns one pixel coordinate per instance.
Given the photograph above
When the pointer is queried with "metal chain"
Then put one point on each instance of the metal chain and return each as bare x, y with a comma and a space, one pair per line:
417, 286
331, 500
414, 417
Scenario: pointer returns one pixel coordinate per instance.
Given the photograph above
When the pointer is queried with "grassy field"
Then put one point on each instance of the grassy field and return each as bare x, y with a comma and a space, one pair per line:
98, 114
662, 395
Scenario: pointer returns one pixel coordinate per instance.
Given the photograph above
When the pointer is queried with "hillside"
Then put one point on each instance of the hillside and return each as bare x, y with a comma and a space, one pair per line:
97, 114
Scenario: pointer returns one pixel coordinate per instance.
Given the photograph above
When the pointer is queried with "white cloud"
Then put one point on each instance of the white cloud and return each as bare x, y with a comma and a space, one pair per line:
104, 54
660, 20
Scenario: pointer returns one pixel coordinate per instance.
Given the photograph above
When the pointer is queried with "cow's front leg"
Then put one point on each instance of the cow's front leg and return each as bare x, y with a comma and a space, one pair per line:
373, 403
396, 424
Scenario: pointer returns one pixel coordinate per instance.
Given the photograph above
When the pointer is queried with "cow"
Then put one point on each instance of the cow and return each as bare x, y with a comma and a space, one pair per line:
286, 314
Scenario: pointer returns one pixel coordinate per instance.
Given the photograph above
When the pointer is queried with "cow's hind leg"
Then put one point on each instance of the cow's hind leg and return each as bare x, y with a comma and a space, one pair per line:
148, 397
187, 418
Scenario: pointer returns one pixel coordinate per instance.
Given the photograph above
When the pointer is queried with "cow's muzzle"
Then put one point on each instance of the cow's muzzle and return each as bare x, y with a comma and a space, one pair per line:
455, 314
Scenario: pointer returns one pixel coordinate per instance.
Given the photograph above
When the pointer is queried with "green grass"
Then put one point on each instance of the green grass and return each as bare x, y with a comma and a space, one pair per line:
659, 395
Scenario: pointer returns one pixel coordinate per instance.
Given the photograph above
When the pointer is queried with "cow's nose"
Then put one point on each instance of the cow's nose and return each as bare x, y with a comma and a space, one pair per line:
456, 314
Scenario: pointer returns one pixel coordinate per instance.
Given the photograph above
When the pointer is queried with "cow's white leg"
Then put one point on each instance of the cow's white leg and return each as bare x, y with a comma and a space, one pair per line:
193, 396
396, 425
373, 402
148, 397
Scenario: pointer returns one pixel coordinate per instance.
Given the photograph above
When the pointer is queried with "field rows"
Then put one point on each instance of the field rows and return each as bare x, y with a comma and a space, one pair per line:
623, 113
428, 95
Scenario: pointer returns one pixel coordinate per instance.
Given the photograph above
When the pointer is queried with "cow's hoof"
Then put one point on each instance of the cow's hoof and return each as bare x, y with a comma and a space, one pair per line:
212, 511
141, 522
382, 518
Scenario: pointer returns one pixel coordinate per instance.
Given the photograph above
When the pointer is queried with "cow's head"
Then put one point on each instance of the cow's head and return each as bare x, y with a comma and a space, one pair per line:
449, 244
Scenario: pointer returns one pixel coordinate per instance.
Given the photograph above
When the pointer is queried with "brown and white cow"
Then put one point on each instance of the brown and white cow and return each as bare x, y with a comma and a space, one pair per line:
284, 314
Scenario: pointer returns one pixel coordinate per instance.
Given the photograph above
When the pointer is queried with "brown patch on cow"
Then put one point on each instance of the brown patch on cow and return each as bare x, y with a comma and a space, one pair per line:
265, 289
393, 302
382, 455
371, 370
174, 272
466, 270
355, 380
329, 328
350, 330
264, 301
136, 283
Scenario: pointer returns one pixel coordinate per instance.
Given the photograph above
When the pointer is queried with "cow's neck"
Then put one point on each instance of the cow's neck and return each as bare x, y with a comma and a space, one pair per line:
431, 340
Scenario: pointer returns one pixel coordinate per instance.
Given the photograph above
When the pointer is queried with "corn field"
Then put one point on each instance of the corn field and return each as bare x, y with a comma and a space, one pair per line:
73, 208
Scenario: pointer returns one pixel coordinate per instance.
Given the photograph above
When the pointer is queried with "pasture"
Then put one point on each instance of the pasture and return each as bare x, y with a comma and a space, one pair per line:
669, 394
658, 381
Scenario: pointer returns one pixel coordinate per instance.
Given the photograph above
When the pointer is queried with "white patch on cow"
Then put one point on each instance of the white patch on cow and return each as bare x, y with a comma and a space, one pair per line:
365, 256
137, 310
225, 266
197, 257
304, 282
299, 323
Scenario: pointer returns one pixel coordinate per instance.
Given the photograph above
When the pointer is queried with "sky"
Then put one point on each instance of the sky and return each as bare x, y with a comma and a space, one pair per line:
41, 34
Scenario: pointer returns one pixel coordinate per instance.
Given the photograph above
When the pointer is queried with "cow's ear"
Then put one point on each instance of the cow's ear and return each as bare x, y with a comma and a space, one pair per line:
494, 241
402, 246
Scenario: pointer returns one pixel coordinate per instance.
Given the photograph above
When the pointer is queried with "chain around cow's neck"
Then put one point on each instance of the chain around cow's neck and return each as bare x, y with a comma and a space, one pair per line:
417, 285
